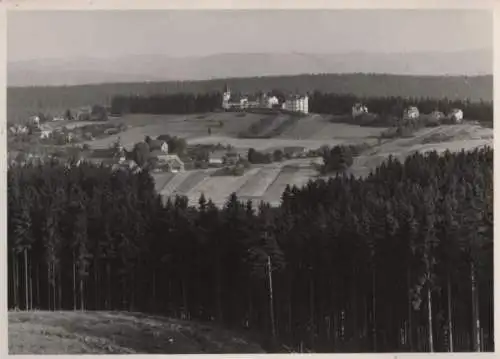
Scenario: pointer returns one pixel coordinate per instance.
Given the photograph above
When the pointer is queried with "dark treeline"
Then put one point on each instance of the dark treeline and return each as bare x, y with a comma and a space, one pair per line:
340, 104
327, 103
399, 261
181, 103
25, 101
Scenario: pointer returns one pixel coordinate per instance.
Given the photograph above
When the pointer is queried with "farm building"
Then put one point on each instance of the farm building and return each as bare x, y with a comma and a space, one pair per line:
359, 109
411, 113
217, 157
294, 151
231, 158
456, 115
175, 163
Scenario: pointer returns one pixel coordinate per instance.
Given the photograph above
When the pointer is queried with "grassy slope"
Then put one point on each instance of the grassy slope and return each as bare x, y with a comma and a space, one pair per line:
117, 333
23, 101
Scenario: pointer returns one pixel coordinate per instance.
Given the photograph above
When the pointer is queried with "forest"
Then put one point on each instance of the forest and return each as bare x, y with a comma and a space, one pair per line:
25, 101
399, 261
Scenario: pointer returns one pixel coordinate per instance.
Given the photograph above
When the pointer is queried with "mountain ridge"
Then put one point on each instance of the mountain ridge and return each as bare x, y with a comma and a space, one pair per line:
158, 68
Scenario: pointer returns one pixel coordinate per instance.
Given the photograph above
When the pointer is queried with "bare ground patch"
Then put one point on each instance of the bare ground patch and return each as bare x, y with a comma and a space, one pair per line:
117, 333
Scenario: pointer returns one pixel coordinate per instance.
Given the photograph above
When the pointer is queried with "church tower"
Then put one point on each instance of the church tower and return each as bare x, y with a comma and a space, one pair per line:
226, 96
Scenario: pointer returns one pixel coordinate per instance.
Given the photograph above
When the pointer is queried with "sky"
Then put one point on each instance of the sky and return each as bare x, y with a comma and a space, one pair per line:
178, 33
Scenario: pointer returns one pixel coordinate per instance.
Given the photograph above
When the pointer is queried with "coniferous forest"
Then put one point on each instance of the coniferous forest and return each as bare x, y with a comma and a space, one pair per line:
399, 261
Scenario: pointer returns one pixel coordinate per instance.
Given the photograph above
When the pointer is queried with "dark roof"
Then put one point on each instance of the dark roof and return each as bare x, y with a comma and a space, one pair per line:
156, 153
155, 144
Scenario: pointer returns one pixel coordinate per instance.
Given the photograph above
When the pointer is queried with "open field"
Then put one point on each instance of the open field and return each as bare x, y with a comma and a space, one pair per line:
218, 188
311, 131
267, 182
453, 138
117, 333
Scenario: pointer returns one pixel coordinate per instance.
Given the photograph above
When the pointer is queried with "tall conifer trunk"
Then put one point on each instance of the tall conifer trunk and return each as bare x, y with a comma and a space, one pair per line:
26, 282
429, 319
450, 320
476, 325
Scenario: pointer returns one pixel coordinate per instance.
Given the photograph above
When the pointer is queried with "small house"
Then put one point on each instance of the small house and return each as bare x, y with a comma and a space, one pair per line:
158, 145
359, 109
411, 113
45, 134
217, 158
34, 121
294, 151
456, 115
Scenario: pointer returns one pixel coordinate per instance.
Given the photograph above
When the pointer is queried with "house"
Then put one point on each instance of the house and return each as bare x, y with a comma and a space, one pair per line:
175, 163
297, 103
34, 121
171, 162
411, 113
18, 129
294, 151
359, 109
217, 157
45, 134
456, 115
231, 158
269, 101
157, 145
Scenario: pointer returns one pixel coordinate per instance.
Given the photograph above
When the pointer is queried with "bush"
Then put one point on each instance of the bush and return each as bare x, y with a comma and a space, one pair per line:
258, 157
338, 158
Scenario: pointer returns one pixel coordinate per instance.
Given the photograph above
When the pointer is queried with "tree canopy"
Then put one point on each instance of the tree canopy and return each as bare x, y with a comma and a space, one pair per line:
399, 261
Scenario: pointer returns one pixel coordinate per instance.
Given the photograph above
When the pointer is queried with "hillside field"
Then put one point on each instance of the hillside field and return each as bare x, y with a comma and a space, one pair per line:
76, 332
267, 182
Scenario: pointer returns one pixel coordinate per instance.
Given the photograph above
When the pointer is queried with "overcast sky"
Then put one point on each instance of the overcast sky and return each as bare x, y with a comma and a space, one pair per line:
69, 34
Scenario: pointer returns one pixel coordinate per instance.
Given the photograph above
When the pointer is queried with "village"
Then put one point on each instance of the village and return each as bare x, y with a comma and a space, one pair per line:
256, 144
78, 132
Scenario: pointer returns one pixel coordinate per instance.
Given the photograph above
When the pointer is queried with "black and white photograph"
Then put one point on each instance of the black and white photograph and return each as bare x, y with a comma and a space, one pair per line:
244, 181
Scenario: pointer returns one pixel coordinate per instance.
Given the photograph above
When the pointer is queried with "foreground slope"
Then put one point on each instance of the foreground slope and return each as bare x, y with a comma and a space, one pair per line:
117, 333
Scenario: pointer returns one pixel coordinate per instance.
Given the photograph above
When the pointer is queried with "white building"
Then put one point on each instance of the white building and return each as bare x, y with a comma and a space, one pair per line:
359, 109
297, 103
230, 101
456, 115
45, 134
35, 121
411, 113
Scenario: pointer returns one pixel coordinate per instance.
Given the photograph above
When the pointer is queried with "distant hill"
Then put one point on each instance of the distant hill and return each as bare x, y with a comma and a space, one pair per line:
139, 68
23, 101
